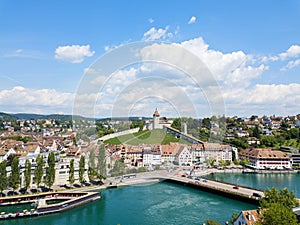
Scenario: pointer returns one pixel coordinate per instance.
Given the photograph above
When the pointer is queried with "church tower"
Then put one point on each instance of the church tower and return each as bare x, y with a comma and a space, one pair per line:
156, 117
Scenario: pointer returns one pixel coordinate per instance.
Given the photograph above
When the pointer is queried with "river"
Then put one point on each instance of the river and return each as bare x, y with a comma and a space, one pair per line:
261, 180
159, 203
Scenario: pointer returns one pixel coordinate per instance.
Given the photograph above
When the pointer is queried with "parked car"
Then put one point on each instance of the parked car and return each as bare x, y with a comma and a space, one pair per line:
236, 187
256, 195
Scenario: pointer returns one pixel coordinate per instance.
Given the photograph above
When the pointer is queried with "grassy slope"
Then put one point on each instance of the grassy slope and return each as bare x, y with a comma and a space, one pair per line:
146, 137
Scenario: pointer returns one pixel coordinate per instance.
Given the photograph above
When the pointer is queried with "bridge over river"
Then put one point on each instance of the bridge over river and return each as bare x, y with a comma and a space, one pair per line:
216, 187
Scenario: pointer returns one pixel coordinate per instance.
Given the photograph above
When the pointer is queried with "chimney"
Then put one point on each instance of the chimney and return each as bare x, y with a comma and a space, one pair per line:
248, 216
259, 210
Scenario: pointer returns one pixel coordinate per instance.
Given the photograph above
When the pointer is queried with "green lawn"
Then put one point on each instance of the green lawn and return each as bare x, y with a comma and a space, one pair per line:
158, 136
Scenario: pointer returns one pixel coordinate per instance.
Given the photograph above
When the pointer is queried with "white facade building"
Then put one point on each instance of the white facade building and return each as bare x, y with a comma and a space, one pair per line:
151, 156
266, 158
205, 151
183, 156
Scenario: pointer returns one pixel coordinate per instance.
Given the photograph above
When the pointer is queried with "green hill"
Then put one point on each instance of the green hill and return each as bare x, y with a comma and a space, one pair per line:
157, 136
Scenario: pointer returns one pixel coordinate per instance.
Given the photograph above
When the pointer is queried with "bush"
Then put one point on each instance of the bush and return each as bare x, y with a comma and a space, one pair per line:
212, 222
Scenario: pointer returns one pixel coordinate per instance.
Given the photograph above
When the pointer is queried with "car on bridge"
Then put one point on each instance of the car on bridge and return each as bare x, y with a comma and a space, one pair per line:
256, 195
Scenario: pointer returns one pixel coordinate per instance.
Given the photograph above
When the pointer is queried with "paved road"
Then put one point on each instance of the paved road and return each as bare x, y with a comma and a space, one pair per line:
177, 175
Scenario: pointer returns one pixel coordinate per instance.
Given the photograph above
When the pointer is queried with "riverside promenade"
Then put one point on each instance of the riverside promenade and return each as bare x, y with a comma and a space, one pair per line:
45, 203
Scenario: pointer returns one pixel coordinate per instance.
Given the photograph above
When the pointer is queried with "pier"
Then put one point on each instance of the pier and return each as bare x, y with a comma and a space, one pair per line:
45, 203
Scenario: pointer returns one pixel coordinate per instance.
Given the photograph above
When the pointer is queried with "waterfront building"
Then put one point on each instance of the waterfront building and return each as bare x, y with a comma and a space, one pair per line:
247, 217
183, 157
295, 158
266, 158
168, 152
133, 156
197, 151
152, 155
217, 151
62, 168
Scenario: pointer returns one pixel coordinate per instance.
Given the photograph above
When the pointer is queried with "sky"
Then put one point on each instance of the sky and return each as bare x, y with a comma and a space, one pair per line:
62, 57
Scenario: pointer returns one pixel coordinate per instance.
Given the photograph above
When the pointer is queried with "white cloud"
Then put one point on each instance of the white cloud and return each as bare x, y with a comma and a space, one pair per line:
22, 53
293, 51
150, 20
73, 53
291, 64
145, 86
264, 99
45, 101
156, 34
192, 20
234, 68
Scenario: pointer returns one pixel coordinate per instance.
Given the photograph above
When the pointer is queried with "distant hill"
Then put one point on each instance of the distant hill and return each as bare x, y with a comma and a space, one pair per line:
6, 116
131, 118
31, 116
62, 117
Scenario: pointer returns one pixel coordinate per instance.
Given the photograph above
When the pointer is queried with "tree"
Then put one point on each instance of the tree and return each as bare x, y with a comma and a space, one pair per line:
39, 171
277, 214
50, 170
244, 162
118, 168
233, 218
81, 169
211, 161
277, 207
283, 196
268, 141
14, 179
256, 132
212, 222
176, 124
92, 158
3, 176
102, 161
236, 161
27, 173
71, 172
206, 123
222, 162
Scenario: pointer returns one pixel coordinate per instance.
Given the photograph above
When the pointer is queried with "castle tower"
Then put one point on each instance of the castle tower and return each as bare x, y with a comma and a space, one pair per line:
156, 117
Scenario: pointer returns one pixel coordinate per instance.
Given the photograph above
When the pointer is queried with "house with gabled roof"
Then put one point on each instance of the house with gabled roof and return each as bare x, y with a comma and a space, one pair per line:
183, 156
33, 148
248, 217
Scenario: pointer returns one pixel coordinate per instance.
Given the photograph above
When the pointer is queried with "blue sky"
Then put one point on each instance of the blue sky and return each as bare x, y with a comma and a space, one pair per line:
252, 48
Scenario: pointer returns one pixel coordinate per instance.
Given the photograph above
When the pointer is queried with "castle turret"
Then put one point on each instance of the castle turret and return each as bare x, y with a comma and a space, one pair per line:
156, 117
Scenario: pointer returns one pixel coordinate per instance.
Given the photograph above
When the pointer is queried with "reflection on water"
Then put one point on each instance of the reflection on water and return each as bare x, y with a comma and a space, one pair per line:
262, 181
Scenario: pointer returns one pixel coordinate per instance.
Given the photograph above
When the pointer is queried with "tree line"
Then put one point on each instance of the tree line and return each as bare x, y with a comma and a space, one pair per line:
42, 170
